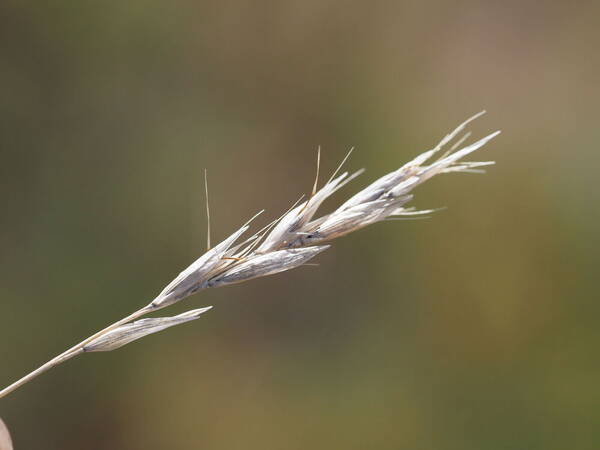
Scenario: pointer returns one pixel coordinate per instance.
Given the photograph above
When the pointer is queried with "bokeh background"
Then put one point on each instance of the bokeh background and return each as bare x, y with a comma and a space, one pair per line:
476, 329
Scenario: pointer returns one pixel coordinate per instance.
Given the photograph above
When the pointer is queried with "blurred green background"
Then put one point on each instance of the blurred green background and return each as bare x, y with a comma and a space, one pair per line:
476, 329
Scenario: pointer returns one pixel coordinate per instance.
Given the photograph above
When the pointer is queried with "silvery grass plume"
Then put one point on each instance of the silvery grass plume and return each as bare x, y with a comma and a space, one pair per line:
288, 242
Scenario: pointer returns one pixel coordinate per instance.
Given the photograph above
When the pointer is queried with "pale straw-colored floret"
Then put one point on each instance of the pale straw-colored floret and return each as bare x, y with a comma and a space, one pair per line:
138, 329
267, 264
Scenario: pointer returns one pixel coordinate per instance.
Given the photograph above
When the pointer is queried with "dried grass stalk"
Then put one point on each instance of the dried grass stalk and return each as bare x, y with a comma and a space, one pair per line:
286, 243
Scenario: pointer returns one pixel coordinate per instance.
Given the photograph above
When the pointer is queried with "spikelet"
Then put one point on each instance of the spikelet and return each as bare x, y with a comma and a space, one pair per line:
135, 330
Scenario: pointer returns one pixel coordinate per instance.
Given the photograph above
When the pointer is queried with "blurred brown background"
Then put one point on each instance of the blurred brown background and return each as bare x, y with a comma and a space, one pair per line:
476, 329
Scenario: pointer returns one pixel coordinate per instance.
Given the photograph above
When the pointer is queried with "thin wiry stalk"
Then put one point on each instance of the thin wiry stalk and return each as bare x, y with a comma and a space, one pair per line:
70, 353
288, 242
